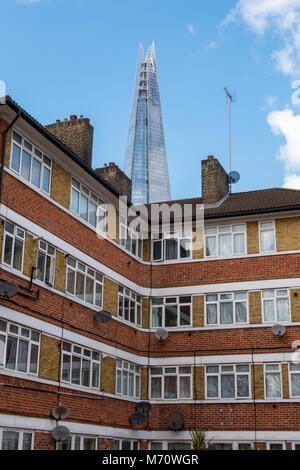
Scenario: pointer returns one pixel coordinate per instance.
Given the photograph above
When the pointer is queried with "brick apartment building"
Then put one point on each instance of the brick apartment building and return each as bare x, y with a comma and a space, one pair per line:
219, 292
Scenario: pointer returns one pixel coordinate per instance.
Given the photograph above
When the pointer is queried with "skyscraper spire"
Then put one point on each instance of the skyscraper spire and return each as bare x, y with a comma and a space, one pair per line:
145, 158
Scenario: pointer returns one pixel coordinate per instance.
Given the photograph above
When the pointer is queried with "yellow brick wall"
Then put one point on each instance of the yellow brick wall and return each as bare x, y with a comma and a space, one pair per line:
144, 383
285, 381
146, 249
108, 374
112, 224
110, 296
198, 311
199, 383
252, 238
255, 309
60, 271
49, 358
30, 255
257, 380
146, 313
198, 247
287, 234
60, 185
295, 304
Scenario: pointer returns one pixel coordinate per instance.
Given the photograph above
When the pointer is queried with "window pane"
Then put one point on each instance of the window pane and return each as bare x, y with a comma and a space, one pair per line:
155, 387
98, 299
131, 385
36, 173
15, 158
85, 373
283, 313
25, 171
171, 249
269, 314
89, 290
184, 387
170, 315
18, 252
10, 440
226, 313
76, 370
75, 201
22, 356
273, 385
185, 248
156, 446
92, 214
185, 314
170, 386
227, 386
267, 240
2, 348
156, 317
89, 443
34, 358
239, 243
242, 386
241, 312
80, 285
46, 179
212, 386
125, 382
225, 245
275, 446
211, 312
11, 352
8, 249
66, 367
295, 382
83, 207
40, 272
27, 438
71, 281
211, 246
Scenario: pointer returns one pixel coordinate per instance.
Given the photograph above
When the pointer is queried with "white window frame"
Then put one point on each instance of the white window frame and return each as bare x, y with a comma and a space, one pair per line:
126, 240
275, 298
269, 443
269, 372
165, 304
48, 255
294, 443
14, 237
21, 433
19, 338
219, 301
220, 373
162, 239
124, 368
124, 295
134, 444
234, 444
34, 153
219, 233
293, 372
176, 374
165, 445
92, 198
74, 353
267, 229
73, 437
86, 271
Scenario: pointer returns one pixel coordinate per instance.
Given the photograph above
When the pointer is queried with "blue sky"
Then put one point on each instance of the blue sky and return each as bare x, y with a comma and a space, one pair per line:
63, 57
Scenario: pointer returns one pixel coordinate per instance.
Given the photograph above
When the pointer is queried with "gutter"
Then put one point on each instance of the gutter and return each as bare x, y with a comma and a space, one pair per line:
4, 135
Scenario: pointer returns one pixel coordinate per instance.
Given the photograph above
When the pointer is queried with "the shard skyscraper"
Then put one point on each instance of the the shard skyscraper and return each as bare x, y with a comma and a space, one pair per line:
145, 159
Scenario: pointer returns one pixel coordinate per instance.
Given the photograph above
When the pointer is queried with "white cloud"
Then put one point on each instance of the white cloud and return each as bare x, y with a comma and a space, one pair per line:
212, 45
191, 29
292, 181
282, 17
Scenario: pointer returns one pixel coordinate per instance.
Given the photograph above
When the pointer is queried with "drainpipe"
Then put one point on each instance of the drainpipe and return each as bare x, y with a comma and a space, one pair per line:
4, 134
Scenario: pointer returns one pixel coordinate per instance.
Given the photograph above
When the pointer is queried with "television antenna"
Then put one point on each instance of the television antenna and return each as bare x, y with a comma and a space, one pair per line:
229, 101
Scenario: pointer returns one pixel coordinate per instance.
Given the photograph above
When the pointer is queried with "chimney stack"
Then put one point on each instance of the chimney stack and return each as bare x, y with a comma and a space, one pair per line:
117, 178
77, 134
214, 180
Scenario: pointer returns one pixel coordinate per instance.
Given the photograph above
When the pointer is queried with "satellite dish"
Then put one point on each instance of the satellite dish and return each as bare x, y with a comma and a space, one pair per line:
278, 330
102, 316
60, 433
233, 177
8, 289
143, 407
60, 412
137, 418
161, 334
176, 421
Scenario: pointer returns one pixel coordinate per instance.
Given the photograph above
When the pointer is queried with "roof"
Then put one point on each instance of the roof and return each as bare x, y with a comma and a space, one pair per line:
247, 203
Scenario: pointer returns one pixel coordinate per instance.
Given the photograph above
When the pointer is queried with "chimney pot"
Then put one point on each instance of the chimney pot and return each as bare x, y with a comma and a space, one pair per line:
66, 119
112, 164
210, 157
73, 117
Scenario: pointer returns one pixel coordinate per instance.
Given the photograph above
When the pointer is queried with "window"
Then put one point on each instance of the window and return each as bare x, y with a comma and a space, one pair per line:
171, 382
272, 381
78, 443
294, 370
126, 445
172, 246
225, 240
267, 236
276, 305
131, 240
45, 263
88, 206
19, 348
16, 440
222, 446
228, 381
170, 445
171, 311
275, 446
128, 379
130, 306
84, 283
29, 162
14, 238
226, 309
80, 366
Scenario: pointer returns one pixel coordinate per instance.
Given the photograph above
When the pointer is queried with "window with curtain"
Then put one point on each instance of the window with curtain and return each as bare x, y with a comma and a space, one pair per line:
45, 263
171, 382
12, 439
125, 445
76, 442
267, 236
19, 348
226, 309
225, 240
88, 206
171, 312
13, 246
272, 381
80, 365
84, 283
128, 379
276, 305
172, 246
227, 381
30, 162
294, 371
